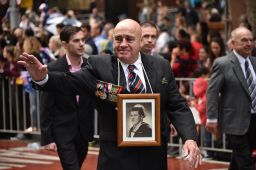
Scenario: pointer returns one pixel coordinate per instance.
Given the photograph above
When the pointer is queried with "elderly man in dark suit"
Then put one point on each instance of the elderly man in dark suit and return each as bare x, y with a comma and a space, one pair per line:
153, 75
231, 99
67, 120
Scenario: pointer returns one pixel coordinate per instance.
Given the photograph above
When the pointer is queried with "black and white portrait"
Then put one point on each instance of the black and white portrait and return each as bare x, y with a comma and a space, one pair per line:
139, 119
138, 126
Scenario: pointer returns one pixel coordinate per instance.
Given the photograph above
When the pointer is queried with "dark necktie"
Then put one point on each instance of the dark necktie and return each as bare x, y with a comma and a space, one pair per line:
251, 84
134, 81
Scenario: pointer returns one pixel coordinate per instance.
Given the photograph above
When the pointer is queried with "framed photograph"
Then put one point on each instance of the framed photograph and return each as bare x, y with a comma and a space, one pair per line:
138, 120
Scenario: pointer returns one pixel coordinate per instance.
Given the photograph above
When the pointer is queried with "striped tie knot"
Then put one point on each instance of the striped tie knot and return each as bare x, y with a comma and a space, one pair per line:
131, 67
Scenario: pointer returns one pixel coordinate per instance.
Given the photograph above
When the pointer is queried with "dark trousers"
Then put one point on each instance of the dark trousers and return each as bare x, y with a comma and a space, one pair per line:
242, 147
72, 154
112, 157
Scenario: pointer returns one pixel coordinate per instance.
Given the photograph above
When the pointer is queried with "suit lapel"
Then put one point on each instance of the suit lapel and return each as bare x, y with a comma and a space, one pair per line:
149, 73
64, 64
253, 63
239, 72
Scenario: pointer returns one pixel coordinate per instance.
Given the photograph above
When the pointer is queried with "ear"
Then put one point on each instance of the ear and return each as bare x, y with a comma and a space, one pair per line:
64, 44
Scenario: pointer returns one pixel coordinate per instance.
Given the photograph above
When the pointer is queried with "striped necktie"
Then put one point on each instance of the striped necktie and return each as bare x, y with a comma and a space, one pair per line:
251, 84
134, 81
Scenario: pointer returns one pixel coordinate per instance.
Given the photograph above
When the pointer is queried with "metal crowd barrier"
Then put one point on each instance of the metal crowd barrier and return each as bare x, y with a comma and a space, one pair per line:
15, 114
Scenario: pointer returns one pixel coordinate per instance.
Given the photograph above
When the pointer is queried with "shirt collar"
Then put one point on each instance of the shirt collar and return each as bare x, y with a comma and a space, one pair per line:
240, 58
137, 63
69, 62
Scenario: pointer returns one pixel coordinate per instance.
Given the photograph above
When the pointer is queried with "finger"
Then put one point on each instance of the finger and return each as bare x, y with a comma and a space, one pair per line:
198, 161
191, 162
22, 63
30, 58
185, 152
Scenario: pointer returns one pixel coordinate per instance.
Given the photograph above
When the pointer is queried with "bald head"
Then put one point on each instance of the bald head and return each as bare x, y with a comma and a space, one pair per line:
238, 32
127, 36
242, 41
128, 24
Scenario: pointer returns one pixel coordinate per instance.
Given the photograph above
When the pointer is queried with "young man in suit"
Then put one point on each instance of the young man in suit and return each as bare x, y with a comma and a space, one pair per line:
67, 120
231, 99
115, 69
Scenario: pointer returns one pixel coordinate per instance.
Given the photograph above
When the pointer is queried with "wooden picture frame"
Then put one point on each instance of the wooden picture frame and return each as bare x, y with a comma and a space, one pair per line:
134, 127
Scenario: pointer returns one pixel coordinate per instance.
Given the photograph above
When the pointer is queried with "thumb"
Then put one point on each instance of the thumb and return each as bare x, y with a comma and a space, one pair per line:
185, 152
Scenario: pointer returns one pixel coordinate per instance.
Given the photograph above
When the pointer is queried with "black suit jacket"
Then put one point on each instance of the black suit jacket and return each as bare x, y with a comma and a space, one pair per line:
173, 107
62, 117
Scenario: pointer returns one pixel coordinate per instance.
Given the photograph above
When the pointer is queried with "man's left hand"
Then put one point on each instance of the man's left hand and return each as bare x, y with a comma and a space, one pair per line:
192, 153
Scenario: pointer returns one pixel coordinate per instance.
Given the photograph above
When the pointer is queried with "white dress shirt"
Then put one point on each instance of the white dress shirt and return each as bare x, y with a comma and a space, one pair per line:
138, 70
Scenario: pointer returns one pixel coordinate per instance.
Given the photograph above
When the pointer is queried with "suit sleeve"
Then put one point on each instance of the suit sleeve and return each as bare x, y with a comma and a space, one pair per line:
178, 111
81, 82
47, 105
213, 91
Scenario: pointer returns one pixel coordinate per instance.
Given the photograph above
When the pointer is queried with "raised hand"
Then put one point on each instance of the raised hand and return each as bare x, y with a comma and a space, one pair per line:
37, 70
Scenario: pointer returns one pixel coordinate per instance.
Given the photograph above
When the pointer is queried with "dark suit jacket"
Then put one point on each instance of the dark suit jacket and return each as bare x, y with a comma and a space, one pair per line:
143, 131
62, 117
228, 97
173, 106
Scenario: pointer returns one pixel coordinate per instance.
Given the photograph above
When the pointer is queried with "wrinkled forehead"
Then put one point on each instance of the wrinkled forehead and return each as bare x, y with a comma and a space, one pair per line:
243, 33
126, 30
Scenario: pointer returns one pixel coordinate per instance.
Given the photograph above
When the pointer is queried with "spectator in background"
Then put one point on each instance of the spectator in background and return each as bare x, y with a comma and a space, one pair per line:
86, 29
18, 33
183, 63
203, 30
96, 35
107, 44
189, 13
43, 10
25, 23
2, 63
203, 62
168, 49
199, 89
59, 27
162, 40
106, 28
32, 45
217, 49
70, 18
95, 17
243, 21
215, 15
11, 69
149, 37
55, 47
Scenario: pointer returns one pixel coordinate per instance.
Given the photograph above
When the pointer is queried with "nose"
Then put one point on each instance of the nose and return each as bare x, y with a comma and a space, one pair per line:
124, 42
150, 38
81, 42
